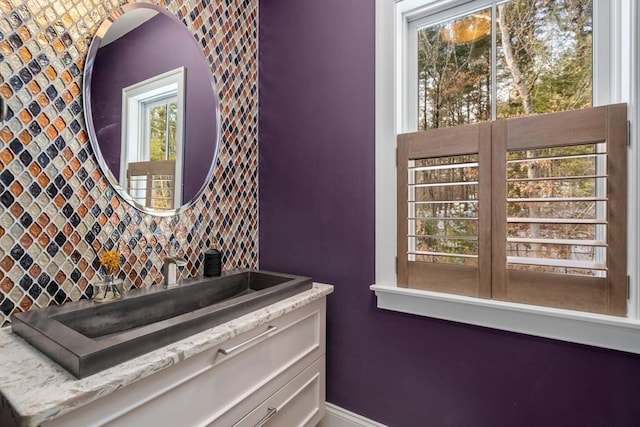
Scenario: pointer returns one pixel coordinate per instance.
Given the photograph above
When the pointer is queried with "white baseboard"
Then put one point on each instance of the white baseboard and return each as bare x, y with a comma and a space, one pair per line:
340, 417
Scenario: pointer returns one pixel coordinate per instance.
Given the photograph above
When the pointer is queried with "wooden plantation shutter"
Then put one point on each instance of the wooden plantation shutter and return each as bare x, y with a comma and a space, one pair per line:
529, 210
588, 272
444, 197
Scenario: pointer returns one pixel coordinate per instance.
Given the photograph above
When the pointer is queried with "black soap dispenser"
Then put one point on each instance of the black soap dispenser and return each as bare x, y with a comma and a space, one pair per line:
212, 262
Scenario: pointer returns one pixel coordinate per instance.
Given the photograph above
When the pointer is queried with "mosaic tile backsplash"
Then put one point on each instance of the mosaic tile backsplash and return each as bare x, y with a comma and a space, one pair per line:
58, 212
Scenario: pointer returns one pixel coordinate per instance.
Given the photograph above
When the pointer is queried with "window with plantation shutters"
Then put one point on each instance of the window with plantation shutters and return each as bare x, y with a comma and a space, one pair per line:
444, 192
529, 210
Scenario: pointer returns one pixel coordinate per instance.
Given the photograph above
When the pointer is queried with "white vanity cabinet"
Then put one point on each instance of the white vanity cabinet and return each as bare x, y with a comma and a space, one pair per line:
271, 375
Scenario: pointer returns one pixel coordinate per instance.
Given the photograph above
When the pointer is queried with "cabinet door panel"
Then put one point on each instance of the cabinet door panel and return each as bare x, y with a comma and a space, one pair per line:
299, 403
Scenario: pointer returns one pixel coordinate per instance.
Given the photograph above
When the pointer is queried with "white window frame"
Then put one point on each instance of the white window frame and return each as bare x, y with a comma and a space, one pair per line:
135, 102
616, 67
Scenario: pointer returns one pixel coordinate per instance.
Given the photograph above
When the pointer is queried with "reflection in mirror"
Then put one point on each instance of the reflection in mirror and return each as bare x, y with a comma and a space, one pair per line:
151, 153
152, 110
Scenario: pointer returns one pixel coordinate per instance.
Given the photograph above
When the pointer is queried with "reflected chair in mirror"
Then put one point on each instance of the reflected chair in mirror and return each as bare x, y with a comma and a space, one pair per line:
152, 183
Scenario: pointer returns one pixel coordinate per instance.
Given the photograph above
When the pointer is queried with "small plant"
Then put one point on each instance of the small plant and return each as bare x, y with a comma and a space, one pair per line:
108, 291
110, 261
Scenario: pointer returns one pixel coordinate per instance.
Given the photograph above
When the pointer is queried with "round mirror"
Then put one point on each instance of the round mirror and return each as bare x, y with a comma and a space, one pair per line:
152, 109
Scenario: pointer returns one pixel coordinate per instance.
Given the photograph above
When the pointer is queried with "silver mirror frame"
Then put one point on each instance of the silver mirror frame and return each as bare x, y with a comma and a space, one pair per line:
86, 93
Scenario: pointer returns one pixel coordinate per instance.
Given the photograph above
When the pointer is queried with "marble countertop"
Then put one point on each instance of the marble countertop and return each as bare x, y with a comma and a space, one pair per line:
39, 390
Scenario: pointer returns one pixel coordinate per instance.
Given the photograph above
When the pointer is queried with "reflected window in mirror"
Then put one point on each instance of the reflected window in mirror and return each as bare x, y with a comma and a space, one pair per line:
152, 118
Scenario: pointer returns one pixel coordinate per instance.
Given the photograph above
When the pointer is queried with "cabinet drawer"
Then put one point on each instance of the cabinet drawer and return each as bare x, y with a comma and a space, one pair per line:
213, 386
299, 403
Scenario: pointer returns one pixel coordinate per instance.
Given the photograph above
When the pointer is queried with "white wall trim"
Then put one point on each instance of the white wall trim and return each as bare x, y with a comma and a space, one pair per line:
616, 333
340, 417
385, 111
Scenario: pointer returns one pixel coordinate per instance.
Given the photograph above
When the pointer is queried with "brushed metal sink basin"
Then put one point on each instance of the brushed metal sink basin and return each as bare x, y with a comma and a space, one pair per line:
86, 337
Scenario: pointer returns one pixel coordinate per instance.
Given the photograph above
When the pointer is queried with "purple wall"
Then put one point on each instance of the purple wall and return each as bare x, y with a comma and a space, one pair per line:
157, 46
316, 183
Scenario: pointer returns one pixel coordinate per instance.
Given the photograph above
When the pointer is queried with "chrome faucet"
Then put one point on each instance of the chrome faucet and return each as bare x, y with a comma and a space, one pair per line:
170, 270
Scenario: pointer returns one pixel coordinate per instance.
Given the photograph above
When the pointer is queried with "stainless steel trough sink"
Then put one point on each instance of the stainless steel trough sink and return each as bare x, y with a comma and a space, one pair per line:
86, 337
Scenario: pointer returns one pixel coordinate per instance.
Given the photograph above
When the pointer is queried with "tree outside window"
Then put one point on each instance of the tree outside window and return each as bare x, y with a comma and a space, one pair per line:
543, 63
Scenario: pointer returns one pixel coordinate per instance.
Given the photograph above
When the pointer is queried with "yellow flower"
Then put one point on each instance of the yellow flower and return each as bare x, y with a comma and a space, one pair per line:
110, 261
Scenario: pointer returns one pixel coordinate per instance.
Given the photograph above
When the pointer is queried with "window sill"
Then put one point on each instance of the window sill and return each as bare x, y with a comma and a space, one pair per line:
610, 332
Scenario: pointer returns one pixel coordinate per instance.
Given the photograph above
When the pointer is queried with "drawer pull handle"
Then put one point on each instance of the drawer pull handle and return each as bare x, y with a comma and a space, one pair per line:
270, 413
228, 351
